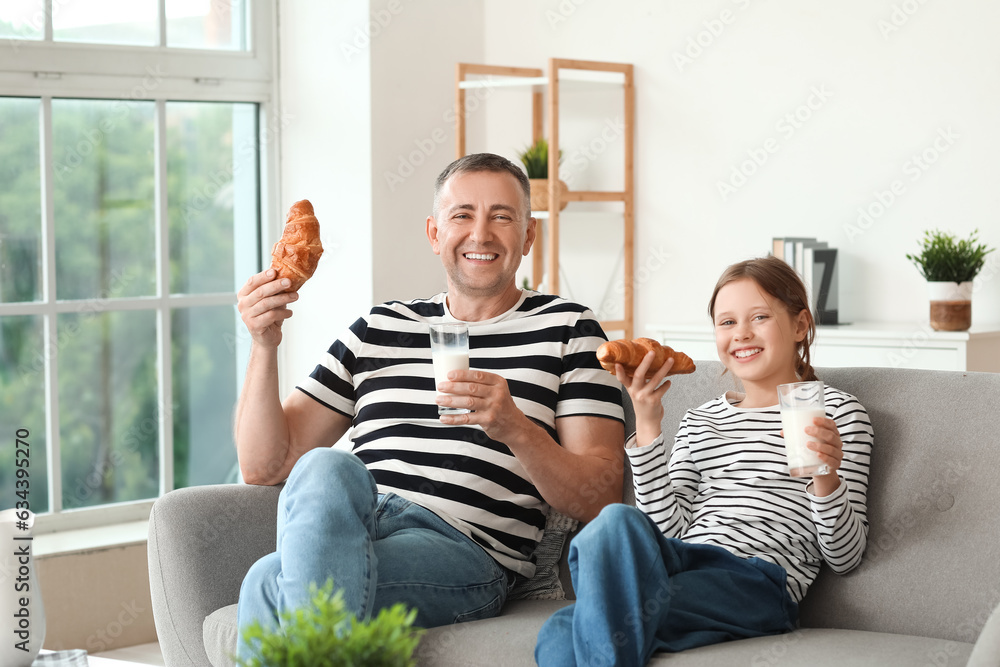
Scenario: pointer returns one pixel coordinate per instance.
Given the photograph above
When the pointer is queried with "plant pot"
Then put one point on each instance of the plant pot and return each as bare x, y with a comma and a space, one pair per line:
951, 305
540, 194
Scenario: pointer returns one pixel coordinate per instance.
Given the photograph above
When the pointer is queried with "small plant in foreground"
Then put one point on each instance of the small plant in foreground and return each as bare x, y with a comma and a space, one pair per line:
324, 634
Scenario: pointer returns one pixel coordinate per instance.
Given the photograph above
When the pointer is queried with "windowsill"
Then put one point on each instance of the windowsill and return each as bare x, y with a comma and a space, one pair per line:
90, 539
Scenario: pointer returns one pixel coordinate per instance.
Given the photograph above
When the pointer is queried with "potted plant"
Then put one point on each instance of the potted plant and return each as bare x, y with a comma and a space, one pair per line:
949, 265
536, 163
325, 634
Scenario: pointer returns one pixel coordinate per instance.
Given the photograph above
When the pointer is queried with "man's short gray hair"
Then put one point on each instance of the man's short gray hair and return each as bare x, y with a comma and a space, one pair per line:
483, 162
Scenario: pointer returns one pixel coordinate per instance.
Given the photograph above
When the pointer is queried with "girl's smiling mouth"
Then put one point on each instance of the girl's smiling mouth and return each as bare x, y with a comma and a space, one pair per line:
745, 353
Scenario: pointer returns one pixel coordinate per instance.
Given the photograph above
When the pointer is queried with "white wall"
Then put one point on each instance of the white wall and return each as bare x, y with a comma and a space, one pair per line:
413, 132
326, 154
368, 90
885, 98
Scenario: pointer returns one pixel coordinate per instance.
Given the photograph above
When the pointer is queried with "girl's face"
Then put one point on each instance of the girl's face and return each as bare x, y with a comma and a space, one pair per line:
755, 335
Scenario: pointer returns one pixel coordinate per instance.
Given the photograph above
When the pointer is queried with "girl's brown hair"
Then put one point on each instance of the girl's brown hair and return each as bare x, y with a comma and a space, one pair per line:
779, 280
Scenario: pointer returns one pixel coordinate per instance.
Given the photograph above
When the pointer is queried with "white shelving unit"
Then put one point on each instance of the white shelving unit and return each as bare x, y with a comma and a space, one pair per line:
565, 75
572, 77
899, 345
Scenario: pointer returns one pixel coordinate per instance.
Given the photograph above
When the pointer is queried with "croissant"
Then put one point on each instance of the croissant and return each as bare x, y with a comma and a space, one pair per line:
297, 253
629, 353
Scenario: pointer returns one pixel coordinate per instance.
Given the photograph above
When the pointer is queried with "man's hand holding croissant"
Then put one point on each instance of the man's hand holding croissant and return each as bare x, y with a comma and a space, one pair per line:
263, 305
263, 301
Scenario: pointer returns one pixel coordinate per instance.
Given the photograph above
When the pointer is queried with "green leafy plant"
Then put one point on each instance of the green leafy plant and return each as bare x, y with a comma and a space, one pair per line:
536, 159
943, 258
324, 634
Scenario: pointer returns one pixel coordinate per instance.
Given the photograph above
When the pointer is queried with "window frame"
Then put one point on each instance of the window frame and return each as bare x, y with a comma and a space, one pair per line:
45, 70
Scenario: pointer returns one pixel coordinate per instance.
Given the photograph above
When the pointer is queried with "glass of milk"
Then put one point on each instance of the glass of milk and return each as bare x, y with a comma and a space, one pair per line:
800, 403
449, 352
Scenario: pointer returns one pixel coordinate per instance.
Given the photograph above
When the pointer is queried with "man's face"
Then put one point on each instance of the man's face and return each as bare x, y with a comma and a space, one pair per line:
481, 231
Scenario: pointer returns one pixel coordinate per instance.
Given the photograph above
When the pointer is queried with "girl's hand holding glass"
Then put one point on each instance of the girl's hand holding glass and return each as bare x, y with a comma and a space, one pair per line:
647, 397
829, 447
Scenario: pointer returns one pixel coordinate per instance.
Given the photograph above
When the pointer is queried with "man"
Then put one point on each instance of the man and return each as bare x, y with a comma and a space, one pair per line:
437, 512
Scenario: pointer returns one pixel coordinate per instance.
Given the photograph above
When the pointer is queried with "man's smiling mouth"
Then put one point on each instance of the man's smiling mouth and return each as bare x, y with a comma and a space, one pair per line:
480, 256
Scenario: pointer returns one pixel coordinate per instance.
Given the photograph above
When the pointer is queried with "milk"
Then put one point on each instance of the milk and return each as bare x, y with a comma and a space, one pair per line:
802, 461
449, 352
447, 361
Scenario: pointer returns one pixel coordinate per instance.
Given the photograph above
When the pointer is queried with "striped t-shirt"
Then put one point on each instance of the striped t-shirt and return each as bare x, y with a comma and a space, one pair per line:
727, 484
380, 375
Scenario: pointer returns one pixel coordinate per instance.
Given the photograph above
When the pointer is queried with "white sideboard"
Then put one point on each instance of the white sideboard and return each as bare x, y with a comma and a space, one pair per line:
913, 345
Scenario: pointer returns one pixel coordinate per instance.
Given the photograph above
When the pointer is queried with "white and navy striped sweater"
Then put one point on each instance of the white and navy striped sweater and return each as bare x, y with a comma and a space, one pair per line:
380, 374
727, 484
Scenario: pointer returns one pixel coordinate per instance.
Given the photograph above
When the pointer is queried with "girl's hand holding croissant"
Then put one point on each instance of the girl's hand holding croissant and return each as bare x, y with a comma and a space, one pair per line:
647, 396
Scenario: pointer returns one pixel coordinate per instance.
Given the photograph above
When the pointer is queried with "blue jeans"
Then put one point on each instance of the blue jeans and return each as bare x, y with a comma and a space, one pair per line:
639, 592
379, 549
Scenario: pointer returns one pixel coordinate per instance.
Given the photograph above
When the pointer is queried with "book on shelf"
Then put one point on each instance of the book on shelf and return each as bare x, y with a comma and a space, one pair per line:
808, 272
785, 248
778, 247
816, 264
825, 279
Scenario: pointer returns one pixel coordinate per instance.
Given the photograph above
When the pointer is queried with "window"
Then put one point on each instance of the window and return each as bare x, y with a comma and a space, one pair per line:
202, 24
134, 168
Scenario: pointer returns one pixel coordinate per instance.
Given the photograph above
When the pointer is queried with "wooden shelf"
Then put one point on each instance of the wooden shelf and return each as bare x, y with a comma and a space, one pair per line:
595, 77
584, 215
594, 195
564, 73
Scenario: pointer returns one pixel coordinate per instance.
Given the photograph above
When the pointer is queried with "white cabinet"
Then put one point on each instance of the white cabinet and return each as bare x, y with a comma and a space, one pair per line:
913, 345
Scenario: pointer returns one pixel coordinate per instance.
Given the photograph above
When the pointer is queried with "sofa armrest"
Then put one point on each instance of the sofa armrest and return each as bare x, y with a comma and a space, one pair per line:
202, 542
986, 652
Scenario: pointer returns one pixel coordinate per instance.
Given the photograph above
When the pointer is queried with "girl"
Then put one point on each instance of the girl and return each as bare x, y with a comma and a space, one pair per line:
722, 543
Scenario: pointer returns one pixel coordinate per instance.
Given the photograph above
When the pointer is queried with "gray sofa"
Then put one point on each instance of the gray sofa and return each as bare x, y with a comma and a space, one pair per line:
927, 592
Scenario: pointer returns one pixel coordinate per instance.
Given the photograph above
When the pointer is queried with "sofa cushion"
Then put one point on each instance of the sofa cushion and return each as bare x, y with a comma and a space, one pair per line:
219, 634
509, 640
818, 647
517, 625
